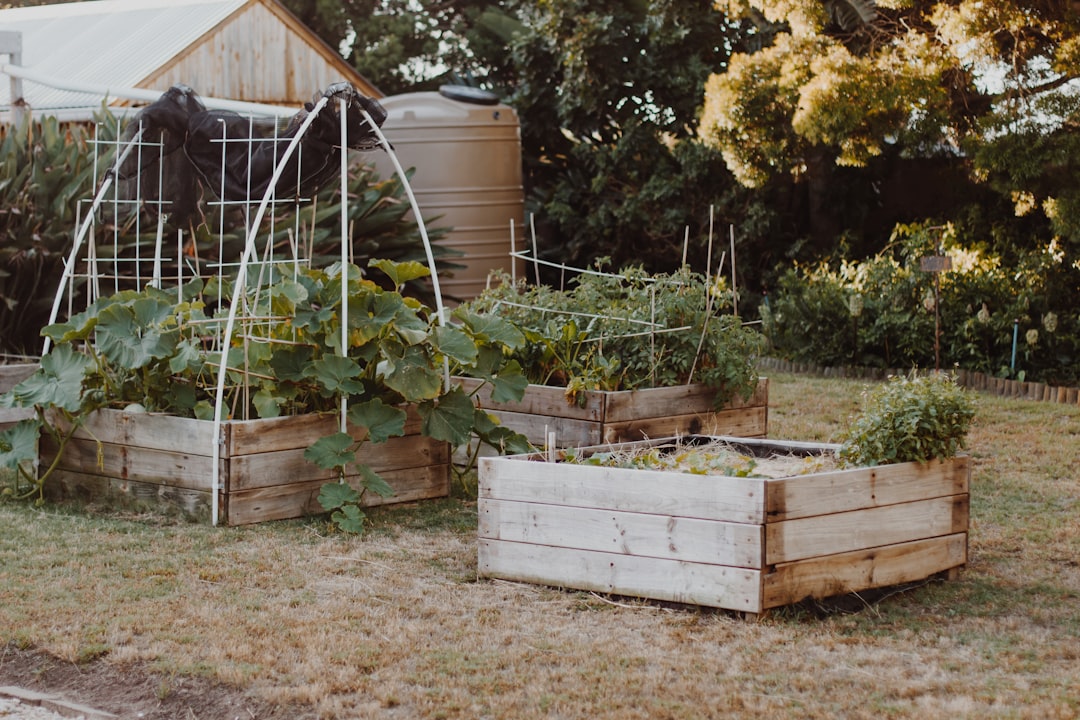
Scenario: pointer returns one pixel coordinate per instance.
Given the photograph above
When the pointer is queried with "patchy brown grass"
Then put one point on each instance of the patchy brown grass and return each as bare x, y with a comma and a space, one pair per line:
396, 624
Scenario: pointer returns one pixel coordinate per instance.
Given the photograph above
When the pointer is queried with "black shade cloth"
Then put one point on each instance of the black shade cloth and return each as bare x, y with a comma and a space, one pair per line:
193, 159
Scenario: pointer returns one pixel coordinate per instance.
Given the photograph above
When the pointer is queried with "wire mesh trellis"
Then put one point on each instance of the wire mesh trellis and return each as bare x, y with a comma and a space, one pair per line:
195, 197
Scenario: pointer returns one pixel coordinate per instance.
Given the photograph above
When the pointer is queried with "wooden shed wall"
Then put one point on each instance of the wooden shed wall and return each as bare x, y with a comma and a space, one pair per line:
263, 54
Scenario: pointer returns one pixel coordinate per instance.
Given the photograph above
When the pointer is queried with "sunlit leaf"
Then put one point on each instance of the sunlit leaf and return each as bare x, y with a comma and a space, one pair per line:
334, 495
372, 481
331, 451
18, 444
491, 328
450, 418
412, 375
455, 344
57, 382
350, 519
382, 421
401, 272
338, 375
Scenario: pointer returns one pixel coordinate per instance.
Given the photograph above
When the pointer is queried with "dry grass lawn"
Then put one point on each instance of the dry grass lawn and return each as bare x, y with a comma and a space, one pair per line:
397, 625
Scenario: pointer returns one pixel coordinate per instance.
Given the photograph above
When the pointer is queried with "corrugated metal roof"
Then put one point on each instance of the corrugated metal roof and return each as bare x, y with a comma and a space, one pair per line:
115, 43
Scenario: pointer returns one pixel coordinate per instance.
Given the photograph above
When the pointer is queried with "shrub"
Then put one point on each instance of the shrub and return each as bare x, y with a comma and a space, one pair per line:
880, 312
629, 330
907, 419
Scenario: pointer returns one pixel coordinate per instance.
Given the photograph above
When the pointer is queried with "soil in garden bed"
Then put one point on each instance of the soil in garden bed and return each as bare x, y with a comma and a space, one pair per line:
702, 455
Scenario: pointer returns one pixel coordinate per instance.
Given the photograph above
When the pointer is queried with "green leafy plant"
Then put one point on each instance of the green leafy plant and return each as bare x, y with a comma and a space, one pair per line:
153, 351
628, 331
45, 168
915, 418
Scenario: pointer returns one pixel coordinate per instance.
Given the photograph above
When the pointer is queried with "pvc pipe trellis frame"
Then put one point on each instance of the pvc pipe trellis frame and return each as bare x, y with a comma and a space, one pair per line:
133, 93
252, 234
249, 247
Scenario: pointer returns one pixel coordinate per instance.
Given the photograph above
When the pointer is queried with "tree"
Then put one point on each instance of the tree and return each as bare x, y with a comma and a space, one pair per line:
609, 94
842, 82
410, 45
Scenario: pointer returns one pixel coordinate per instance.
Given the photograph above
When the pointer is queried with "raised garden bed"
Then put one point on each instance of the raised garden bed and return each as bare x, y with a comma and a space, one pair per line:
626, 415
739, 543
10, 376
164, 463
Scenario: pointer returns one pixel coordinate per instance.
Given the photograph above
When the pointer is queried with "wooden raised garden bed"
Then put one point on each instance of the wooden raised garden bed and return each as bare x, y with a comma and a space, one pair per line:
739, 543
165, 462
627, 415
10, 376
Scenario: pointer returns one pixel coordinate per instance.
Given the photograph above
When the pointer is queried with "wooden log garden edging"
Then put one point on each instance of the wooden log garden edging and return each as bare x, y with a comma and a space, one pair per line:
1003, 387
627, 415
739, 543
165, 463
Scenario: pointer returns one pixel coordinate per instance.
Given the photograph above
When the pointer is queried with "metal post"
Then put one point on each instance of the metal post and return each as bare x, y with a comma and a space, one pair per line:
11, 45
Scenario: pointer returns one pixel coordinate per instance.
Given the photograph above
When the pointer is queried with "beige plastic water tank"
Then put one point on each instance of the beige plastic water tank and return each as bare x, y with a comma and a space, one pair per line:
466, 148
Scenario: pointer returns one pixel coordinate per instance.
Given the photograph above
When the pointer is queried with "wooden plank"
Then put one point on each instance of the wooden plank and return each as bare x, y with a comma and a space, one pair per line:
284, 467
124, 462
791, 540
541, 400
12, 375
740, 422
670, 580
628, 405
739, 500
248, 437
640, 534
832, 492
569, 432
10, 416
132, 494
862, 569
299, 499
147, 430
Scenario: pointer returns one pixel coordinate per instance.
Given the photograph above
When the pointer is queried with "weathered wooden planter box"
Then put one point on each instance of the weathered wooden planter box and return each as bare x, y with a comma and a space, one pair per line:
627, 415
166, 462
745, 544
10, 376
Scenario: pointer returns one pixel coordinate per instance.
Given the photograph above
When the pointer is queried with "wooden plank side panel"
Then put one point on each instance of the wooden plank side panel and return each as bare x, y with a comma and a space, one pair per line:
640, 534
282, 502
820, 535
128, 463
541, 400
569, 432
745, 422
132, 494
695, 398
862, 569
824, 493
248, 437
10, 416
13, 374
147, 430
739, 500
670, 580
286, 467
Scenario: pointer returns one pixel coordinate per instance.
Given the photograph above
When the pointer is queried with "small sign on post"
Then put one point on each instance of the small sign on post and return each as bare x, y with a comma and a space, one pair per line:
936, 264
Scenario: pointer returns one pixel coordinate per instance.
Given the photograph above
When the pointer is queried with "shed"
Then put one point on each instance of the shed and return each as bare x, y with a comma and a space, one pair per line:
247, 50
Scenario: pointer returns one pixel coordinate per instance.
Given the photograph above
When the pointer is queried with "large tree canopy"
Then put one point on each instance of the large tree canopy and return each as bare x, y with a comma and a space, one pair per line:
845, 80
408, 45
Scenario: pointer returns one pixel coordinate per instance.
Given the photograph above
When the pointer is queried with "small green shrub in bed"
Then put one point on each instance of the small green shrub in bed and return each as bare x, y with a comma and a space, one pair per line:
907, 419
